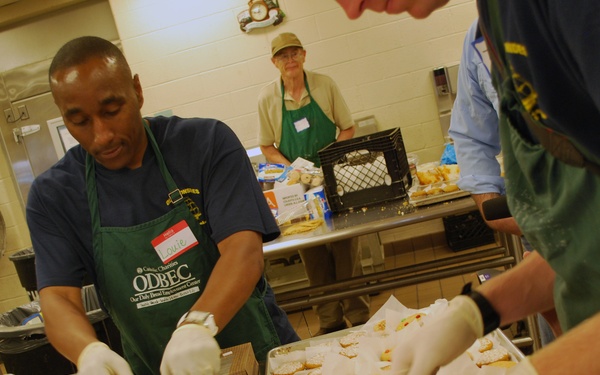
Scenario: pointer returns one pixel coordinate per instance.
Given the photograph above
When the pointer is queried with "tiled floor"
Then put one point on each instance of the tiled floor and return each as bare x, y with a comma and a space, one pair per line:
402, 253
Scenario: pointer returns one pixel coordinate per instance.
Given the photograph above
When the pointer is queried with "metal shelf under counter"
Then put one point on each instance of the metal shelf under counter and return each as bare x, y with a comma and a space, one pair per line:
506, 253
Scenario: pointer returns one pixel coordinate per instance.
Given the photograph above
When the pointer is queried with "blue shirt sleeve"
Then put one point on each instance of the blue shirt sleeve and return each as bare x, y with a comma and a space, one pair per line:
474, 121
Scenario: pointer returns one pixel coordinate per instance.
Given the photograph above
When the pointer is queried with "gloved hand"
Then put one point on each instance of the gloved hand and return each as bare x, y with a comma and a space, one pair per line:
191, 350
523, 368
97, 359
440, 340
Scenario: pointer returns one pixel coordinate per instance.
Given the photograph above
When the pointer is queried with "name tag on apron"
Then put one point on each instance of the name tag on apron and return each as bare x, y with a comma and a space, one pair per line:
302, 124
174, 241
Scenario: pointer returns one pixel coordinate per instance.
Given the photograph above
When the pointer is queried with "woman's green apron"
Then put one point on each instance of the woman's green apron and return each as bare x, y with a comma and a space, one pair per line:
307, 142
555, 202
145, 297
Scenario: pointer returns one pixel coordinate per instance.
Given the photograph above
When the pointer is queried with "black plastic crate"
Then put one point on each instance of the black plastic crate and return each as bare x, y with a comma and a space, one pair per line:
467, 231
365, 170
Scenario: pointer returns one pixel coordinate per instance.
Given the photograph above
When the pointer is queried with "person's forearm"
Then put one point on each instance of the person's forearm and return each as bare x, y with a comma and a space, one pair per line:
552, 320
234, 277
65, 321
575, 352
522, 290
507, 225
346, 134
273, 155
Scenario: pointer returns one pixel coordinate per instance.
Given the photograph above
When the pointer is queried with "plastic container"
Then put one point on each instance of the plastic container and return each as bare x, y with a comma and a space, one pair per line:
367, 170
24, 262
24, 349
467, 231
413, 161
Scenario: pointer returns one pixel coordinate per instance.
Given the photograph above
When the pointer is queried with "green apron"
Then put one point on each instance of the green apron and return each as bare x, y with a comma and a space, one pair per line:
146, 297
307, 142
554, 201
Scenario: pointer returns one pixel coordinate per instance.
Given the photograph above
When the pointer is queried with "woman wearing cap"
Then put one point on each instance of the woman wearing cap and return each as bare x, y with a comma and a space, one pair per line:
300, 112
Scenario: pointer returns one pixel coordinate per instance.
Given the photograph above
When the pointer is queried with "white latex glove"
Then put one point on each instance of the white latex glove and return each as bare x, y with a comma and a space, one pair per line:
191, 350
440, 340
98, 359
523, 368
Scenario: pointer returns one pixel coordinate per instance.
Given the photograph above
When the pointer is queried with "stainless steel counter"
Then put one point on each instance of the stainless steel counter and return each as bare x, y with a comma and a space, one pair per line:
372, 219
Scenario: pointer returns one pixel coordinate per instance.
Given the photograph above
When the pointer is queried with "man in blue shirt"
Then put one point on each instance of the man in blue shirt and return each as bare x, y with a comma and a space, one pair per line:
474, 127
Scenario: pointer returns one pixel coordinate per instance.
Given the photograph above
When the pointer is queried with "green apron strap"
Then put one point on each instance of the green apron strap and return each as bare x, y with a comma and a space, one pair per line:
92, 191
174, 193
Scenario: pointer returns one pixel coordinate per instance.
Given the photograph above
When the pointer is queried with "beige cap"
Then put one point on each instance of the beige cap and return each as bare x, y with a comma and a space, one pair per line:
284, 40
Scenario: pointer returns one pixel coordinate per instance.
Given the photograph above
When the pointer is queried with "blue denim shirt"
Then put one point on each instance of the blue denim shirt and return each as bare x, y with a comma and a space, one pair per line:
474, 120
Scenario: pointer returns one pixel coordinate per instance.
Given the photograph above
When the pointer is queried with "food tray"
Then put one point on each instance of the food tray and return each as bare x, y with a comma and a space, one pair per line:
433, 177
442, 197
497, 336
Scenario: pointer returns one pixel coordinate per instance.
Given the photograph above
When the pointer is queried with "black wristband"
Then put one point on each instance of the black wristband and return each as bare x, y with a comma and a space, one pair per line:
491, 319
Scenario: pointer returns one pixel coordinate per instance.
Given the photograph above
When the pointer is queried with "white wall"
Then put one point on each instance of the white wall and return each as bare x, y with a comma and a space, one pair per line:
194, 60
39, 38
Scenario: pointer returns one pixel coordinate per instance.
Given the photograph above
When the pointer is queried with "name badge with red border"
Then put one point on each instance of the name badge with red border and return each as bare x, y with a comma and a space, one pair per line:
174, 241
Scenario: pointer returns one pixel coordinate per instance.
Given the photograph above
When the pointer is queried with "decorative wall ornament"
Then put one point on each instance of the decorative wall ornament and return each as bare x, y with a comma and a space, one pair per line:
260, 13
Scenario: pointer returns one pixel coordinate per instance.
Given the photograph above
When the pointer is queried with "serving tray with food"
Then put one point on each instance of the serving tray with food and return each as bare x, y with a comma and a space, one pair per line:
368, 349
436, 183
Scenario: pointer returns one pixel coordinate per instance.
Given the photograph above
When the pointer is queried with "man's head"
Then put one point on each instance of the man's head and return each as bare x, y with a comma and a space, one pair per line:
288, 55
100, 101
284, 40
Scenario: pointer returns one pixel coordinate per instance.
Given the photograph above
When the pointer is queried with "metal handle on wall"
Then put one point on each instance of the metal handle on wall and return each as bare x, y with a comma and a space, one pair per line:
2, 235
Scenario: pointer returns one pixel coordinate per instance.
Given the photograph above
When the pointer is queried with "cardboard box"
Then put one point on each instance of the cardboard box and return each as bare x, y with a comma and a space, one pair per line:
271, 200
286, 198
238, 360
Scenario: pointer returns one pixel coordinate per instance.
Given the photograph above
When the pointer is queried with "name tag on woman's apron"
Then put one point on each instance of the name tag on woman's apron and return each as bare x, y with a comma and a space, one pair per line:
302, 124
174, 241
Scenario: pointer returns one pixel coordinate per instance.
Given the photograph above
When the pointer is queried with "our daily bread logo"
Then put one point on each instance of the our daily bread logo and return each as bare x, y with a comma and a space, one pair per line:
157, 285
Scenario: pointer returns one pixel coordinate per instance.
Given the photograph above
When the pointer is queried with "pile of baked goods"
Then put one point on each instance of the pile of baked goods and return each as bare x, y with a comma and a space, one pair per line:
431, 173
490, 354
435, 180
369, 350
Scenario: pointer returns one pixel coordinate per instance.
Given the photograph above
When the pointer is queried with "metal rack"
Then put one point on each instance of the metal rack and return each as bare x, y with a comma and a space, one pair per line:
383, 217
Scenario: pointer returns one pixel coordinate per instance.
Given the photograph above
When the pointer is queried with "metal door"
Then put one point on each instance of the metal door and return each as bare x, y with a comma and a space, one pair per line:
30, 152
